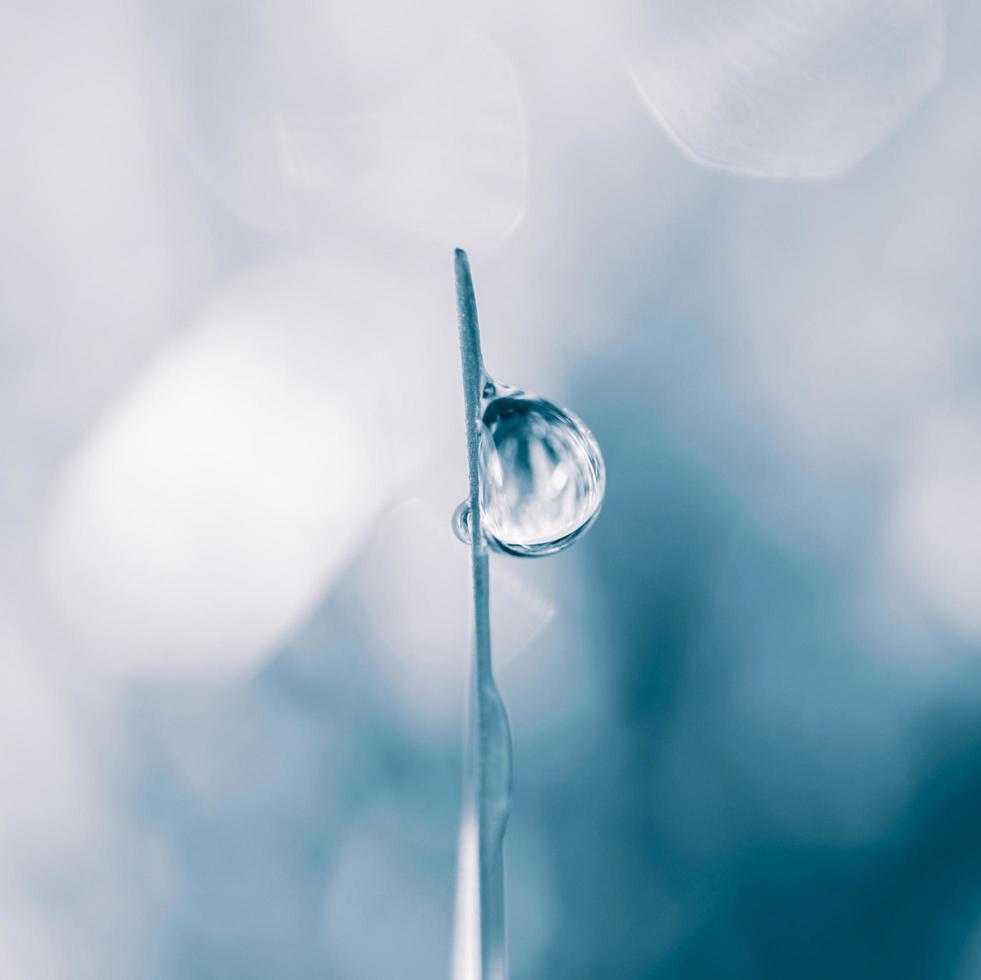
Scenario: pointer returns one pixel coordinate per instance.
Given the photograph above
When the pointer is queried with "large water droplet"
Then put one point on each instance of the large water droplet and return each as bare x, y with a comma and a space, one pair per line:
542, 476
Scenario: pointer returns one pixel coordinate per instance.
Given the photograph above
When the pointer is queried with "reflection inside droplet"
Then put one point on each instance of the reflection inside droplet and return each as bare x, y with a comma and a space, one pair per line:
542, 476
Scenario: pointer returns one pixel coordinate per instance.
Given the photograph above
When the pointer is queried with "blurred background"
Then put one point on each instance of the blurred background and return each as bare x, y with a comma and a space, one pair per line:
740, 238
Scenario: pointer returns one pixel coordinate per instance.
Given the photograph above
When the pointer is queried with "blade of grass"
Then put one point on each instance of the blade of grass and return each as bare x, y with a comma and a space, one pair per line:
487, 768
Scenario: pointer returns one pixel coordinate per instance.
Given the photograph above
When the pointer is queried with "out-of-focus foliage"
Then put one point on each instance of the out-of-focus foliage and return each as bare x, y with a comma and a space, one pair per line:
233, 616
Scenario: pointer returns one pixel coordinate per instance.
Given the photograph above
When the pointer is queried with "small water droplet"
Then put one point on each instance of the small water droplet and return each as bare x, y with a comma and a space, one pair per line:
461, 522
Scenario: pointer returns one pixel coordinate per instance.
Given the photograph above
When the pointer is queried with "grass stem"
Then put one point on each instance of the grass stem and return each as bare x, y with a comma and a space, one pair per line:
487, 770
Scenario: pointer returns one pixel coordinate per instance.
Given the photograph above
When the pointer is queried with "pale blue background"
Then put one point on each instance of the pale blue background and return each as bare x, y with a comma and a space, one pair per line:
745, 708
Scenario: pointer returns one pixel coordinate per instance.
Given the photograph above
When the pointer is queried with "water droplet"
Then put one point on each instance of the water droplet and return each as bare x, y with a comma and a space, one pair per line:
542, 476
461, 522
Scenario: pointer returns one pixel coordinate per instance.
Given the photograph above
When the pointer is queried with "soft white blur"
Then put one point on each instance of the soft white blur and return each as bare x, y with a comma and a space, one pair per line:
934, 526
224, 490
785, 89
